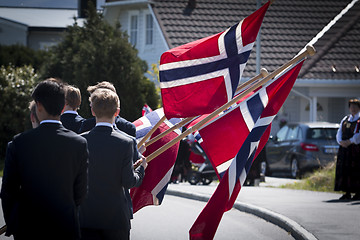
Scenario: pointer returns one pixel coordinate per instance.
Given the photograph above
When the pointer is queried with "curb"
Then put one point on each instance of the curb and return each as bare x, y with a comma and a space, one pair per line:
289, 225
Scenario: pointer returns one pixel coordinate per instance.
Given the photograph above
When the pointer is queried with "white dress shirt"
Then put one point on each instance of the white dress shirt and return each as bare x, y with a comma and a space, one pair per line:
356, 138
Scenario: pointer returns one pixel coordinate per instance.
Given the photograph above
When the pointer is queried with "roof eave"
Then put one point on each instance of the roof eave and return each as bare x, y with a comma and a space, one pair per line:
127, 3
326, 82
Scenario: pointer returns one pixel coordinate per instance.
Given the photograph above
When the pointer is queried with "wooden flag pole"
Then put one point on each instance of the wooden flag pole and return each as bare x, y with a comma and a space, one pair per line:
309, 51
178, 125
3, 229
151, 131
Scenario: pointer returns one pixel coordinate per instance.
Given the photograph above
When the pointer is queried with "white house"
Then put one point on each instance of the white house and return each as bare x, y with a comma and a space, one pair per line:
36, 28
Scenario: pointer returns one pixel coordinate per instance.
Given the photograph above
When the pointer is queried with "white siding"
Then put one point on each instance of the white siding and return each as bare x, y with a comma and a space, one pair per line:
12, 33
150, 53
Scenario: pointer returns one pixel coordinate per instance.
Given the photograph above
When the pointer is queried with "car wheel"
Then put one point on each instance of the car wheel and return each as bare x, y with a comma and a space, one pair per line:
263, 168
294, 168
193, 177
206, 181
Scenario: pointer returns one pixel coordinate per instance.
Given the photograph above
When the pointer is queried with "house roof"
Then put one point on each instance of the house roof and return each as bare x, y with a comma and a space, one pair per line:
40, 17
288, 26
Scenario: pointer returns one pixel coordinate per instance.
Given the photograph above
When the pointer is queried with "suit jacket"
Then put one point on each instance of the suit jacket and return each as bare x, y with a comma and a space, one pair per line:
44, 182
111, 172
121, 123
72, 121
136, 157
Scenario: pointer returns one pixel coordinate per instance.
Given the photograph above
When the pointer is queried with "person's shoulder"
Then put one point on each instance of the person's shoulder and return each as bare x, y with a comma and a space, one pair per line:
72, 135
125, 134
90, 120
24, 135
121, 136
78, 116
125, 126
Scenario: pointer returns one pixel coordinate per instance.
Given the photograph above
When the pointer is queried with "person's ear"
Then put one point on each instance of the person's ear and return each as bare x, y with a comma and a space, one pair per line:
39, 107
117, 112
92, 112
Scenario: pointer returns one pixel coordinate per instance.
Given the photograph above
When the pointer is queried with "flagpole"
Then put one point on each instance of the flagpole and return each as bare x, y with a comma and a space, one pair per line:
151, 131
178, 125
3, 229
310, 51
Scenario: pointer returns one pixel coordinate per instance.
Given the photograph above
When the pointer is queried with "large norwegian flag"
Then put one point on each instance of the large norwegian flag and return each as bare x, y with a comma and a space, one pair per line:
158, 172
198, 77
261, 108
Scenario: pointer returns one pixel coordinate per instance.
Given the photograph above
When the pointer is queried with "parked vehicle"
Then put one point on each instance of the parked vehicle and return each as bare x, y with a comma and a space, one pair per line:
300, 147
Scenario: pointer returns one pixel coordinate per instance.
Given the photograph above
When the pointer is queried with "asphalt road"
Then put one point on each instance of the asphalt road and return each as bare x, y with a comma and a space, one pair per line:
173, 219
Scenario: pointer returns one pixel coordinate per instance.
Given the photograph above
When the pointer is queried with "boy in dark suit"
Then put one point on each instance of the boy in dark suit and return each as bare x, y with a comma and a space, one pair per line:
70, 117
121, 123
45, 174
105, 214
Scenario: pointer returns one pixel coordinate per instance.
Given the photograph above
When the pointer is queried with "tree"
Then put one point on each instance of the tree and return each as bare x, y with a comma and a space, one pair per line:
16, 86
100, 52
18, 56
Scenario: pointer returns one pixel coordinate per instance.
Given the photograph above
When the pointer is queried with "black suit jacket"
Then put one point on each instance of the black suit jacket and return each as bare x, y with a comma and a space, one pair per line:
72, 121
121, 123
111, 173
44, 182
136, 157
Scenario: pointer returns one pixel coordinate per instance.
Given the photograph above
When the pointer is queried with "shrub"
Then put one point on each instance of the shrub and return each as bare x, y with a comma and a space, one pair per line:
16, 85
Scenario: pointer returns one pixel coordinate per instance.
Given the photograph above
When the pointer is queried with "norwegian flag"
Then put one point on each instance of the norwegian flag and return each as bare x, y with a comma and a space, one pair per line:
198, 77
261, 108
146, 109
158, 172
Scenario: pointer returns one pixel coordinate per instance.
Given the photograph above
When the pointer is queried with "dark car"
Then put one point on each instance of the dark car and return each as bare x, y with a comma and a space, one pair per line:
299, 147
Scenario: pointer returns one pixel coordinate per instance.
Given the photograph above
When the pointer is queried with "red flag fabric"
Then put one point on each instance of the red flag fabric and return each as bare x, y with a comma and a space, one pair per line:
198, 77
159, 170
261, 108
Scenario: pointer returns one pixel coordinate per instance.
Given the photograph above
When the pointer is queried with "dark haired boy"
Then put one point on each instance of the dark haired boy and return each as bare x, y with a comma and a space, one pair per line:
45, 174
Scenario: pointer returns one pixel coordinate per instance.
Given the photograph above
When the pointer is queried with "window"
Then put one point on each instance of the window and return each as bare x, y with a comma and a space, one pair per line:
133, 29
293, 133
322, 133
280, 136
149, 30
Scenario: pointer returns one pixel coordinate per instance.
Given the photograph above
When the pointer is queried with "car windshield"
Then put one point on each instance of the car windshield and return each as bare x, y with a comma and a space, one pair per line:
321, 133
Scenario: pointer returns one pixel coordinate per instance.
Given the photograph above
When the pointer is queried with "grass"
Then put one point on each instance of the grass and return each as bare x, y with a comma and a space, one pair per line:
321, 180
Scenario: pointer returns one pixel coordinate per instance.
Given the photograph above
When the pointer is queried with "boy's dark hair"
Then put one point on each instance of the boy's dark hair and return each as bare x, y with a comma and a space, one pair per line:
355, 102
51, 94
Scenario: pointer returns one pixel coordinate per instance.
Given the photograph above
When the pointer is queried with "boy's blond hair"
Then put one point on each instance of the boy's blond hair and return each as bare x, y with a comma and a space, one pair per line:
72, 97
104, 103
103, 84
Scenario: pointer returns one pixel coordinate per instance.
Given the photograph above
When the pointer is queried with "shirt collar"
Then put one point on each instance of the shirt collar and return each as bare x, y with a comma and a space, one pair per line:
106, 124
71, 111
354, 118
50, 121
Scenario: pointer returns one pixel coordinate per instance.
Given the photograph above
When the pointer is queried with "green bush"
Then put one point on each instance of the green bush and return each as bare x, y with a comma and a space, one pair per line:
16, 85
101, 52
18, 56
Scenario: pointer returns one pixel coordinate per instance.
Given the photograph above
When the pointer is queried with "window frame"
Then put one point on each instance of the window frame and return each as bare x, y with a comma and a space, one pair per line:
134, 33
149, 29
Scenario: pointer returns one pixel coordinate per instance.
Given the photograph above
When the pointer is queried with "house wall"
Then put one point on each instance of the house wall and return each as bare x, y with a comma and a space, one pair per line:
149, 52
12, 33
